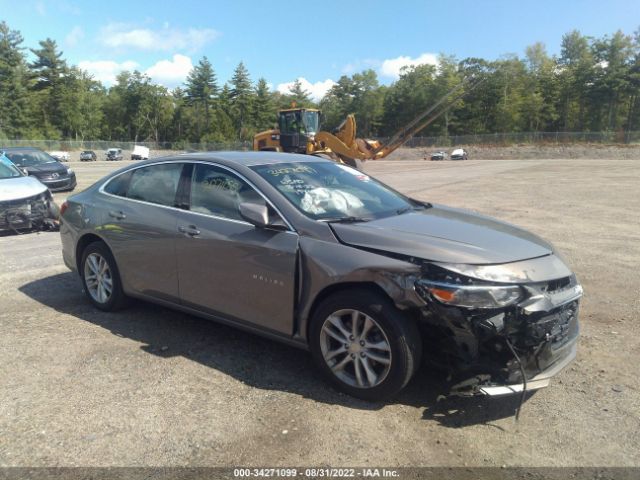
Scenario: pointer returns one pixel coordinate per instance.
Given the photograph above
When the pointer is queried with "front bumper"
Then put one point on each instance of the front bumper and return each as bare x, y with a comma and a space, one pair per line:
61, 183
541, 380
474, 346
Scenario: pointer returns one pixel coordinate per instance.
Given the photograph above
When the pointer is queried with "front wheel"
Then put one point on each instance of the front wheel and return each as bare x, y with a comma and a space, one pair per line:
364, 345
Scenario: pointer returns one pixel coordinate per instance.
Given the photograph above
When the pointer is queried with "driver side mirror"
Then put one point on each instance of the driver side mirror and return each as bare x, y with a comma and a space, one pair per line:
254, 213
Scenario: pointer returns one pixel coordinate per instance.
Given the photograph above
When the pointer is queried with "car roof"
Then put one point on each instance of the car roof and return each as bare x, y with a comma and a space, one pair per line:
14, 149
250, 159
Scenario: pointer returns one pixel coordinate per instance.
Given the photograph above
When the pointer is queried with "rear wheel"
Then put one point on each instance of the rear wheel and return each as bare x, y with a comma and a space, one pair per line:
101, 278
364, 345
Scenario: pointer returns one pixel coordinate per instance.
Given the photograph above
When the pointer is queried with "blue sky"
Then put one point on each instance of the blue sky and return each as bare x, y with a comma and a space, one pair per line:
315, 41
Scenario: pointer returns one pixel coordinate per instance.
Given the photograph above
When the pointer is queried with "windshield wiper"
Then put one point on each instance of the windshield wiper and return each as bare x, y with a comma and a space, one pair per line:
350, 219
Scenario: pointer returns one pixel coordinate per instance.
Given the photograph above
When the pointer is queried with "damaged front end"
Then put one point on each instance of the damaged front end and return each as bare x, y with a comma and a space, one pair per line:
37, 212
500, 329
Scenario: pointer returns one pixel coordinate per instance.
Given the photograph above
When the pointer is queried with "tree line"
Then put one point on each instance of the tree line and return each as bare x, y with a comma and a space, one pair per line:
592, 85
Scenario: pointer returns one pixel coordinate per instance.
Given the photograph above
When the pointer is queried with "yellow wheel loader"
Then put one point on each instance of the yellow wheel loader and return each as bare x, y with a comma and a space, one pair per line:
299, 132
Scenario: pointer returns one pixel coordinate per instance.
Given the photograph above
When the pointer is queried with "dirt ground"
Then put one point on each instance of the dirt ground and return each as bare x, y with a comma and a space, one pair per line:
150, 386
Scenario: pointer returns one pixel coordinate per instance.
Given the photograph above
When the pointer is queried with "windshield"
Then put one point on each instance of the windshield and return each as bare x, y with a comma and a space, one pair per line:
29, 158
332, 191
8, 169
311, 121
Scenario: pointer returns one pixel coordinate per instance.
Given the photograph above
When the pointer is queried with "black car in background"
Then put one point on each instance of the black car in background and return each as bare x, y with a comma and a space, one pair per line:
36, 163
114, 154
88, 156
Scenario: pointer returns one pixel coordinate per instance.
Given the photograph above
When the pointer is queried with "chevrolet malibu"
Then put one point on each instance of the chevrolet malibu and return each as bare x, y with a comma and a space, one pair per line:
321, 256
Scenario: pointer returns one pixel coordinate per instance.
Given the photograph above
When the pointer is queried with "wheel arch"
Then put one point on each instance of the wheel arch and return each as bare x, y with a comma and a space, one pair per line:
333, 289
83, 242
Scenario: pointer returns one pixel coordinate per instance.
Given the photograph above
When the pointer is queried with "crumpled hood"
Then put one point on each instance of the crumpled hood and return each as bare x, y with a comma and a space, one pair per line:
444, 234
20, 187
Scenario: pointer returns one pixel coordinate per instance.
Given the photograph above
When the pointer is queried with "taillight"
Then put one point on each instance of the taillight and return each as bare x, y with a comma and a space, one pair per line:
63, 207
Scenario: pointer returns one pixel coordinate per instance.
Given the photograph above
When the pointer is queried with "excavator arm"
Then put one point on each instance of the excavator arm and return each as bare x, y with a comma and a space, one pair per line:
344, 146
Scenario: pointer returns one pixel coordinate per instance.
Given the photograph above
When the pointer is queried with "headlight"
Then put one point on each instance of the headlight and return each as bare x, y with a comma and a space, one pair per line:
469, 296
69, 171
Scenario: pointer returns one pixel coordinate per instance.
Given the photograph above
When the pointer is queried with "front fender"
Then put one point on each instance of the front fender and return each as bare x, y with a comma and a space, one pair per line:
327, 264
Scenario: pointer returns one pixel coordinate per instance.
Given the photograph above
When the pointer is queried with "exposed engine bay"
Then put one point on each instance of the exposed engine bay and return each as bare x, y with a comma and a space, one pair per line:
36, 212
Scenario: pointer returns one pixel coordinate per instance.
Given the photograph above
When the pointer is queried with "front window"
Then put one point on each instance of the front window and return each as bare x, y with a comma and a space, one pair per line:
330, 191
7, 168
29, 158
311, 121
218, 192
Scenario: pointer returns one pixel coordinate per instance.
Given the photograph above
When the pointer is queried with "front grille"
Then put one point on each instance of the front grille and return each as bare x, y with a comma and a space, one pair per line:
555, 326
557, 285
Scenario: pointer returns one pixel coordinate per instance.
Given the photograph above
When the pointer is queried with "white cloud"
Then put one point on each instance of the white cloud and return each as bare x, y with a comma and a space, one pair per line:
360, 65
316, 90
106, 70
41, 9
171, 73
122, 35
392, 66
74, 36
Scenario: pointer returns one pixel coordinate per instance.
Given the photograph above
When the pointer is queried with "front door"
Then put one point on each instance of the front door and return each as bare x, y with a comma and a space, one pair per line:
228, 266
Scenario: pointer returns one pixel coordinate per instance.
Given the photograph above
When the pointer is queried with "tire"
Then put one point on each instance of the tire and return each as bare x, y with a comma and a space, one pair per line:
389, 325
92, 256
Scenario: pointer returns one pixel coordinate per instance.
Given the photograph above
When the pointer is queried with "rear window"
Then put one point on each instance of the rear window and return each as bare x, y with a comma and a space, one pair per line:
118, 185
155, 184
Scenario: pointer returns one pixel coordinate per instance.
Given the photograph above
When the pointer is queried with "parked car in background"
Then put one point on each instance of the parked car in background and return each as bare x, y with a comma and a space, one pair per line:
459, 154
438, 155
36, 163
60, 156
140, 153
88, 156
25, 202
321, 256
114, 154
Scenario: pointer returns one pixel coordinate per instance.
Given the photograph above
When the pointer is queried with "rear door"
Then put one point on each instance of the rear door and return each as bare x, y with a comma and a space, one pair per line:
226, 265
139, 224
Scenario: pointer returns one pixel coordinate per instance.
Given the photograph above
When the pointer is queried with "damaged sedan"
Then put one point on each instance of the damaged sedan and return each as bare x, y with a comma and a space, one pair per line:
321, 256
25, 203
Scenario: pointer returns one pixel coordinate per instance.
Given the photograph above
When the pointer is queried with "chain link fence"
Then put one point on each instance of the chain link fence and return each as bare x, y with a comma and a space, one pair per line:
526, 138
441, 141
103, 145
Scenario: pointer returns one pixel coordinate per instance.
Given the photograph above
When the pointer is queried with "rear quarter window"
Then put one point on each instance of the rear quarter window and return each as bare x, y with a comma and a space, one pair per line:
118, 185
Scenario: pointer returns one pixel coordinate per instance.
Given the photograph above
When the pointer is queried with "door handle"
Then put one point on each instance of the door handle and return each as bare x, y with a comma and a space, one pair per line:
119, 215
190, 230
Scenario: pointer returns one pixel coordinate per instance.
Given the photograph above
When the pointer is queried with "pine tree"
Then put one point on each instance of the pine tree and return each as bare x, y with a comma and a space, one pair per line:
241, 99
202, 90
49, 70
264, 113
299, 95
14, 95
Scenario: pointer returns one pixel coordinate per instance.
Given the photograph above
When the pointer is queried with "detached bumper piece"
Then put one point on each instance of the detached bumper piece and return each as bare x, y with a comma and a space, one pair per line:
543, 330
37, 212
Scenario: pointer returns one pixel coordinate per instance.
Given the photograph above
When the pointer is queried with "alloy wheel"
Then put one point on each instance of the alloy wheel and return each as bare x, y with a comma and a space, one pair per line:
98, 278
355, 348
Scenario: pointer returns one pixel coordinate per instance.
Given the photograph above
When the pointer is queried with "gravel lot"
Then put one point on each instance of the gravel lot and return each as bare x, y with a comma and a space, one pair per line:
150, 386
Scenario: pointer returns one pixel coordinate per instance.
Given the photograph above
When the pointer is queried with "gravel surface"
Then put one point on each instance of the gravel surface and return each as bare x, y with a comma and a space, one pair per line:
150, 386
